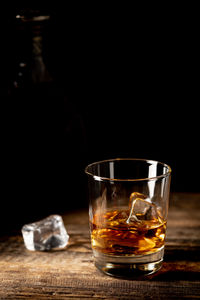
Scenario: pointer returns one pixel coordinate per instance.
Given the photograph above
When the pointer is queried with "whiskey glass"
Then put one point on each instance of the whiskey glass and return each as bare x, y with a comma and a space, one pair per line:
128, 207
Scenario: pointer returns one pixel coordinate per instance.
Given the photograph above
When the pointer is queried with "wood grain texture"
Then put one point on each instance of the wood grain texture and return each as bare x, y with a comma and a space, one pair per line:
70, 273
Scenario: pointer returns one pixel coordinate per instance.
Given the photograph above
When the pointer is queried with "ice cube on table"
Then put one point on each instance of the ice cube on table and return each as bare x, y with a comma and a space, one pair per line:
141, 208
46, 234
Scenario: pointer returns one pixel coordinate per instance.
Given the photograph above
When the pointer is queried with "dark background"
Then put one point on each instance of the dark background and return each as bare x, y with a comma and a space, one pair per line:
119, 88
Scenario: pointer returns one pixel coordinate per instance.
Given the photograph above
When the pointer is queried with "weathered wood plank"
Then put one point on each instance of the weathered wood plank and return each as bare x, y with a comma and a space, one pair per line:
57, 283
70, 274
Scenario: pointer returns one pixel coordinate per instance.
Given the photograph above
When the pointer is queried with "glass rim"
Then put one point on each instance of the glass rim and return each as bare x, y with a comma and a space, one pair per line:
102, 178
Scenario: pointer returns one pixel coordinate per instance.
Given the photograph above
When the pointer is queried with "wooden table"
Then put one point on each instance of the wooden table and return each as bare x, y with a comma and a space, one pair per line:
70, 274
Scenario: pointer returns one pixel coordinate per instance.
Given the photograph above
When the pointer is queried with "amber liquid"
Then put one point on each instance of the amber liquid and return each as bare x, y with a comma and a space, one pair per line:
111, 234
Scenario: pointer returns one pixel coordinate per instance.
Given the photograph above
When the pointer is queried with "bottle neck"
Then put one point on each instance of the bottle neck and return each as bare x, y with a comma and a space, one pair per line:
30, 65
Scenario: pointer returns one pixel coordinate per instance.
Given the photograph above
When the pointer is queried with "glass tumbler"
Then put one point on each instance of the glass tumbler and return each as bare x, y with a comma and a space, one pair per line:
128, 215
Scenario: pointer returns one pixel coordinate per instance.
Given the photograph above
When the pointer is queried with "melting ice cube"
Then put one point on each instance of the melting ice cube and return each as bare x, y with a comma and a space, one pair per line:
47, 234
141, 208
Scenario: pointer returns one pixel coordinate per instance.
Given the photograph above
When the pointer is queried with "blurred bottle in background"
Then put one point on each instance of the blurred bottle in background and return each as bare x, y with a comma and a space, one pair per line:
30, 70
43, 132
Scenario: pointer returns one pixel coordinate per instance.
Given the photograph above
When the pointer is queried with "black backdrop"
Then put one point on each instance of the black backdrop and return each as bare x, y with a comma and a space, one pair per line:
117, 91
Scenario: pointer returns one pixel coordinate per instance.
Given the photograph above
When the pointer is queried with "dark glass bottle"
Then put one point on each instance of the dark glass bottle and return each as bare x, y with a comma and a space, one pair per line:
44, 137
30, 73
34, 122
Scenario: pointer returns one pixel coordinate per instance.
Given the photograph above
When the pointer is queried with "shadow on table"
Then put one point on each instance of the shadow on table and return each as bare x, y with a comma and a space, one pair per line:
187, 253
179, 264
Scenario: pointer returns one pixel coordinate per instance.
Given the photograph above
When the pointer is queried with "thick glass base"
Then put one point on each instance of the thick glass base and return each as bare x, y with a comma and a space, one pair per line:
129, 267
